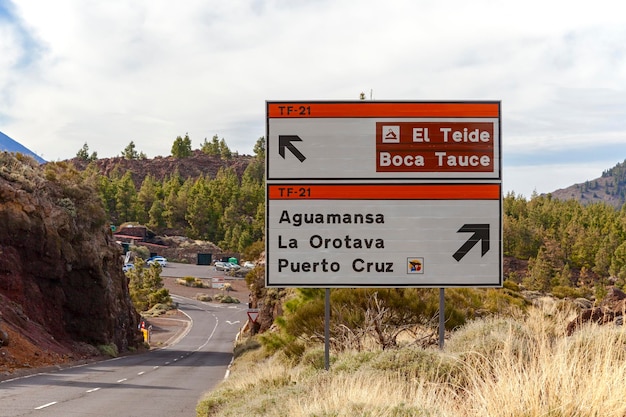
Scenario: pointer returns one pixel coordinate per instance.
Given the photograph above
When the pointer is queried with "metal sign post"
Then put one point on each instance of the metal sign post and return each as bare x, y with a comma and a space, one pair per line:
327, 330
442, 319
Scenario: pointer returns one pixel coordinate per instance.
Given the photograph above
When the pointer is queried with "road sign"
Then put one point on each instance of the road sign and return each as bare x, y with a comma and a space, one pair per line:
369, 194
253, 315
405, 141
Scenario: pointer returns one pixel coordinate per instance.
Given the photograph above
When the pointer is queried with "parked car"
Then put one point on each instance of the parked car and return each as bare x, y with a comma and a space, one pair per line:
248, 264
234, 266
127, 267
222, 266
157, 259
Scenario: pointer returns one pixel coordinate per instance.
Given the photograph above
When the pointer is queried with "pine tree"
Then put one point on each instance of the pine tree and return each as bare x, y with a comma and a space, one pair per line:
181, 148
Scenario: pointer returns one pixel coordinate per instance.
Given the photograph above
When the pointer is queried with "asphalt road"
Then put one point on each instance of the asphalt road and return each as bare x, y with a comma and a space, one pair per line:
177, 270
166, 382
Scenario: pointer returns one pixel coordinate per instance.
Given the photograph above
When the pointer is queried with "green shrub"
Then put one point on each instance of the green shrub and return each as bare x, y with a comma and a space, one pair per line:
207, 406
157, 310
109, 350
568, 292
510, 285
203, 297
190, 282
68, 205
146, 286
314, 358
248, 345
226, 299
140, 251
273, 342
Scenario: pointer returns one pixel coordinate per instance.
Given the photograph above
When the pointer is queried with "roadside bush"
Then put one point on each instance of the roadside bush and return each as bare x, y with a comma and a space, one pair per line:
190, 282
226, 299
140, 251
569, 292
248, 345
203, 297
157, 310
109, 350
146, 286
381, 316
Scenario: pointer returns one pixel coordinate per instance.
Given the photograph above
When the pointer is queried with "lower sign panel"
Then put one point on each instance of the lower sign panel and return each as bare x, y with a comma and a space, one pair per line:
384, 243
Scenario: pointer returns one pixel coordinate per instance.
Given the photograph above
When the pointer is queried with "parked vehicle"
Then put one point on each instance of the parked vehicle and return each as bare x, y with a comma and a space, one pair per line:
222, 266
234, 266
248, 264
157, 259
127, 267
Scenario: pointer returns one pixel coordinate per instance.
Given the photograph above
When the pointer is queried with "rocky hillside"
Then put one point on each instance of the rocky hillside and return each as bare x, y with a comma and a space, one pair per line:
610, 188
62, 289
196, 165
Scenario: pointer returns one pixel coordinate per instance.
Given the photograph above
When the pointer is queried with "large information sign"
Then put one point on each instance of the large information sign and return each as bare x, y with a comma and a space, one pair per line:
383, 194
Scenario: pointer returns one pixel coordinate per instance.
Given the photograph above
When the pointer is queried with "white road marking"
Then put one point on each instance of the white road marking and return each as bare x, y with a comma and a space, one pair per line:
45, 405
93, 390
141, 373
122, 380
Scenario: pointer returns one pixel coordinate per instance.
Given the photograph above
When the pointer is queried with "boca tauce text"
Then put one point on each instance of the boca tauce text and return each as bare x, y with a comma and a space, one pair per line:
435, 146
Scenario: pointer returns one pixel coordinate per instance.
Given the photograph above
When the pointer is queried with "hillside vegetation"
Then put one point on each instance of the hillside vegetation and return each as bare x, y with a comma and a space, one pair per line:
568, 244
202, 196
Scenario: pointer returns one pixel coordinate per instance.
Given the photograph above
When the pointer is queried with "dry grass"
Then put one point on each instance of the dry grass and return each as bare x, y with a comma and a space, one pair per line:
514, 367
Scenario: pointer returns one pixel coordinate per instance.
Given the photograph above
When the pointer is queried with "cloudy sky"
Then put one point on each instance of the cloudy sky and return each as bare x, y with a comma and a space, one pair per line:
109, 72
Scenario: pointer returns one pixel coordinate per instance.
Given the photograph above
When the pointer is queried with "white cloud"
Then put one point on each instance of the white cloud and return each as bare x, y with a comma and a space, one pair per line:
109, 72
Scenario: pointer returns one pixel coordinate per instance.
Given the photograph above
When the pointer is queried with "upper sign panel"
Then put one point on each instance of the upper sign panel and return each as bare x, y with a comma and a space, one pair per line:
378, 140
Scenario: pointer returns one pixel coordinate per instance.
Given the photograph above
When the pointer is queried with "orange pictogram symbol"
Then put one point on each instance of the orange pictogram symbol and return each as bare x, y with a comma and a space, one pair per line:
415, 265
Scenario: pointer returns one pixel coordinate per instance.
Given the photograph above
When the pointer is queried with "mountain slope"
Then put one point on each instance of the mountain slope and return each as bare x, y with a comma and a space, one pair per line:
10, 145
610, 188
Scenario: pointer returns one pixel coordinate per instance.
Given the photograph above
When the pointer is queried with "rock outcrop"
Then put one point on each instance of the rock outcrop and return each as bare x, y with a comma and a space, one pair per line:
61, 279
610, 310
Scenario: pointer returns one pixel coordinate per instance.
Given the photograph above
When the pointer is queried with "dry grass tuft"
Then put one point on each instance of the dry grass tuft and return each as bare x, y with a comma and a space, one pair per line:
515, 367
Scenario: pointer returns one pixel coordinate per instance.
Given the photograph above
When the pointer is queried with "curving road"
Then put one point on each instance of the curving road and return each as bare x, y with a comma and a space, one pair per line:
166, 382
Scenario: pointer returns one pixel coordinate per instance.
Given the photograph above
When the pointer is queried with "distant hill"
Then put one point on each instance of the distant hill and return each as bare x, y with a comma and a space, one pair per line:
10, 145
194, 166
610, 188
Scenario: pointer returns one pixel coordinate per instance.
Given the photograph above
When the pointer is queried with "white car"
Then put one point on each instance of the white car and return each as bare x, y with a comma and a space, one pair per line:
159, 260
222, 266
248, 264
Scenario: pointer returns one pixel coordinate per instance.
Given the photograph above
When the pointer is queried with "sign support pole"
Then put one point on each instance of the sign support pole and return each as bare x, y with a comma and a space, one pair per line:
327, 330
442, 321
